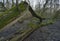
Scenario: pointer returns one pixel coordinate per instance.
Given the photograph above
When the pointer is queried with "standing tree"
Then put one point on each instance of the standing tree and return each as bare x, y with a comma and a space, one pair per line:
56, 4
3, 3
12, 3
39, 4
17, 4
7, 4
38, 7
44, 6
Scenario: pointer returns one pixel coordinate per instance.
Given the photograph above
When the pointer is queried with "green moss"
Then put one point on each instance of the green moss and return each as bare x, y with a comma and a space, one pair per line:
11, 15
33, 25
7, 19
22, 6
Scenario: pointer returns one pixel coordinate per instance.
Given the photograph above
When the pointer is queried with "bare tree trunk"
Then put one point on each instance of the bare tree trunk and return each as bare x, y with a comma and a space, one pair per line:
12, 3
17, 4
7, 4
3, 3
39, 4
7, 1
45, 5
56, 5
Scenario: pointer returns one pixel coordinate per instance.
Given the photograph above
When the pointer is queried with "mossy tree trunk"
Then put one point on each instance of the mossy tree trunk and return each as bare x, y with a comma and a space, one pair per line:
33, 13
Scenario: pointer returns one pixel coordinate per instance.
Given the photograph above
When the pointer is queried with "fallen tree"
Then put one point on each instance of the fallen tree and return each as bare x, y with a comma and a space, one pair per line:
32, 12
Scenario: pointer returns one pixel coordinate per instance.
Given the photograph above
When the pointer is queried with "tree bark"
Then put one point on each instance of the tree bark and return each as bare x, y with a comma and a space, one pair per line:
7, 4
3, 3
33, 13
12, 3
45, 5
7, 1
17, 4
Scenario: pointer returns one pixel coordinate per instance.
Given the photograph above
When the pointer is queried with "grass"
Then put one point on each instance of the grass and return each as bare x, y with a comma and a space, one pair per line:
11, 14
8, 19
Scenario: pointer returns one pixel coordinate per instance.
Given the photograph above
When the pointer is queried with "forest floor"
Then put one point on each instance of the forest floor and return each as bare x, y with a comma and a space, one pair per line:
25, 27
14, 32
46, 33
